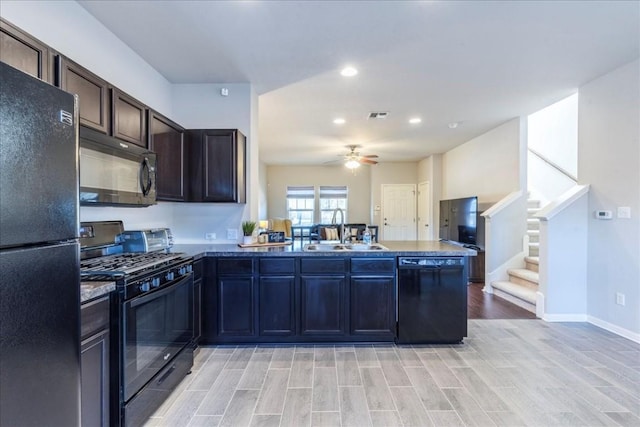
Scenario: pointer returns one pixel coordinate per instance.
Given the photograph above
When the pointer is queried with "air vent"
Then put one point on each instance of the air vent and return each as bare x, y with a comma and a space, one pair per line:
378, 115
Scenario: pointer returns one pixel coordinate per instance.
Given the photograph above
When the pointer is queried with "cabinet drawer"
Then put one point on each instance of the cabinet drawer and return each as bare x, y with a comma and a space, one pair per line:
277, 266
235, 266
323, 265
373, 265
94, 317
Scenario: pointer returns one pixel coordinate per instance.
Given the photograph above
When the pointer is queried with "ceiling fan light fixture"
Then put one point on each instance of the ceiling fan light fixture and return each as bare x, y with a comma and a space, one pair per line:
348, 72
352, 164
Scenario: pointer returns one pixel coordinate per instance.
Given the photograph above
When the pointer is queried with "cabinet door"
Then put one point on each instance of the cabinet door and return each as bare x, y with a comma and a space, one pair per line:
224, 172
323, 307
129, 118
92, 91
23, 52
276, 308
372, 306
167, 140
95, 380
235, 306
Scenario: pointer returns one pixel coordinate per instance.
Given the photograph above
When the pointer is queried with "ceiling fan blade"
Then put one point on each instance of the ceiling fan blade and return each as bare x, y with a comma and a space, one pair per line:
368, 162
329, 162
371, 156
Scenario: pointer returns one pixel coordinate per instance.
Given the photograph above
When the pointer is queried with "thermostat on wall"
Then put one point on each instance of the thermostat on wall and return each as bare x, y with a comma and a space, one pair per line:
603, 214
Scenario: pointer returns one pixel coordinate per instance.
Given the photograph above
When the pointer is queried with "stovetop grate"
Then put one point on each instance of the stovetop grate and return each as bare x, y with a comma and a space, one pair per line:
127, 263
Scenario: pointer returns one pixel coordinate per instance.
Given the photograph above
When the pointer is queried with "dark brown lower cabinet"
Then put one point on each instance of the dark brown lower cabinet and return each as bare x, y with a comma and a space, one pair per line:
277, 306
235, 306
298, 299
322, 309
373, 306
95, 362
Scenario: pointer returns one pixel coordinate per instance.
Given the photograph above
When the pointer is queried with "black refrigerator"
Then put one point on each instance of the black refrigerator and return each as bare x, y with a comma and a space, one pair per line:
39, 254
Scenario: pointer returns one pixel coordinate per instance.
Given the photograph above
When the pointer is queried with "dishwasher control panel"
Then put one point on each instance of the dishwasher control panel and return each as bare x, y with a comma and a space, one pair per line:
429, 262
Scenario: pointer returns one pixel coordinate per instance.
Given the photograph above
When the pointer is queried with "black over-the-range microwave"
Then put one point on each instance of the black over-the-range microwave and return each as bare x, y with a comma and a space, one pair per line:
115, 172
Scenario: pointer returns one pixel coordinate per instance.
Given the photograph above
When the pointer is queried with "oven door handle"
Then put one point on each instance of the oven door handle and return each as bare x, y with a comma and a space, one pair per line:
144, 298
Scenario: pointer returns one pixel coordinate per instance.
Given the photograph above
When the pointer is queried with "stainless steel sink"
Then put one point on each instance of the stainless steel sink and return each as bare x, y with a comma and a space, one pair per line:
339, 247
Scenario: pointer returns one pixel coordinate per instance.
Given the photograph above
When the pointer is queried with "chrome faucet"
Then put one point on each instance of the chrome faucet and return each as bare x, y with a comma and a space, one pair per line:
343, 237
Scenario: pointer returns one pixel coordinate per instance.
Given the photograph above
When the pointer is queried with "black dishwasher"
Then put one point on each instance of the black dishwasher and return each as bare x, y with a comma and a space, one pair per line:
432, 300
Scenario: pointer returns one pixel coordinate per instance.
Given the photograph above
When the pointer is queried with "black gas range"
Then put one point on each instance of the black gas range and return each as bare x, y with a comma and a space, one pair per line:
152, 318
137, 273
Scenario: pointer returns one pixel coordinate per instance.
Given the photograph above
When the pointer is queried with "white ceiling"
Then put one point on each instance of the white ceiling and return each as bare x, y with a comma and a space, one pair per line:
479, 63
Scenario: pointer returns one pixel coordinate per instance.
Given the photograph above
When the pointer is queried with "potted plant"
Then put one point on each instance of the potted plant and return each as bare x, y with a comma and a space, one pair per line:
247, 230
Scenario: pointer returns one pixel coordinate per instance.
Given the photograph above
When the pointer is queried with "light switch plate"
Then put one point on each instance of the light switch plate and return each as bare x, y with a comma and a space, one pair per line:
624, 212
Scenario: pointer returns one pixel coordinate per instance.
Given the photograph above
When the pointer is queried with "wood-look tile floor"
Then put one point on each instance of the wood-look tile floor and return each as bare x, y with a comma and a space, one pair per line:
506, 373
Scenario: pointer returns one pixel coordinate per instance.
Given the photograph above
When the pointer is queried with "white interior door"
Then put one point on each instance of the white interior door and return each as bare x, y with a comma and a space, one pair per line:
398, 212
424, 212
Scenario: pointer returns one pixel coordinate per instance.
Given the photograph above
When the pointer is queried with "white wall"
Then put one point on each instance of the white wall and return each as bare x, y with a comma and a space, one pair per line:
430, 170
279, 177
609, 160
487, 166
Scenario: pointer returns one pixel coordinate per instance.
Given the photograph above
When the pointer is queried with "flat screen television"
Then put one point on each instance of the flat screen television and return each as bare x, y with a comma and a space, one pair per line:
459, 221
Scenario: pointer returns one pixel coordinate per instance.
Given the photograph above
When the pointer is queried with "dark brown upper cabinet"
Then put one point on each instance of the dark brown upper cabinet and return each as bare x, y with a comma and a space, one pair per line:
167, 140
92, 91
217, 166
24, 52
129, 118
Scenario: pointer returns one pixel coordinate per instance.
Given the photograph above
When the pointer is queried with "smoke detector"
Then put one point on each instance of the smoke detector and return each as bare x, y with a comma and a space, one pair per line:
378, 115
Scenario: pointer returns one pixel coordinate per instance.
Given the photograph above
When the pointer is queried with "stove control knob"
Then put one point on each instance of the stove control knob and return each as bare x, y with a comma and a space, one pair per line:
170, 275
144, 287
189, 268
182, 271
155, 282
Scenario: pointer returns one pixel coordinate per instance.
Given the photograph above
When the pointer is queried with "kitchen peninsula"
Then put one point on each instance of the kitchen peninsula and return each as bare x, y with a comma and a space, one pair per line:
286, 294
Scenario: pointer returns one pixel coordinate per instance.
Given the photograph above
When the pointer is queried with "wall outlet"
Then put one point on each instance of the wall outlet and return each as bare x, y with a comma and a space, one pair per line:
210, 236
620, 299
232, 234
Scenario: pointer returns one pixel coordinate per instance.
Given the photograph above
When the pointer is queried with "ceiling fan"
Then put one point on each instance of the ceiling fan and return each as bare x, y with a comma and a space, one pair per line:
354, 159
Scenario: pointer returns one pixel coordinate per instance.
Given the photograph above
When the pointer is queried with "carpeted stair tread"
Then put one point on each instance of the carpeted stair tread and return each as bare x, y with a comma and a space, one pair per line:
532, 259
525, 274
516, 290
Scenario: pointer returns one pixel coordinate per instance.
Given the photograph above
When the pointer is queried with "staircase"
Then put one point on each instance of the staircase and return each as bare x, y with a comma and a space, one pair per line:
522, 286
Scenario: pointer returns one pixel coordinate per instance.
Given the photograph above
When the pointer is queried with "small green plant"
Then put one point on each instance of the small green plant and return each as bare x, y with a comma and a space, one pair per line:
248, 227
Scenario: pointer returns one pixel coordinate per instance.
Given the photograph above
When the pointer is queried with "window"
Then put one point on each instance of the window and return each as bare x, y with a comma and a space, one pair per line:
331, 198
300, 205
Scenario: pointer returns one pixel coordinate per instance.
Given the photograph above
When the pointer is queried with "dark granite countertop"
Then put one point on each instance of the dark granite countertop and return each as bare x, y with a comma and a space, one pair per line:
396, 248
92, 290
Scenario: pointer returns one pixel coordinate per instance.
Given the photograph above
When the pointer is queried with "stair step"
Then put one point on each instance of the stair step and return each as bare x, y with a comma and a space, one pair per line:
533, 224
533, 203
521, 292
532, 211
532, 263
534, 236
524, 277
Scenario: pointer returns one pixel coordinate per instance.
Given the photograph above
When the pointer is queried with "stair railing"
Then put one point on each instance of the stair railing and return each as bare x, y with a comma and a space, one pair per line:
553, 165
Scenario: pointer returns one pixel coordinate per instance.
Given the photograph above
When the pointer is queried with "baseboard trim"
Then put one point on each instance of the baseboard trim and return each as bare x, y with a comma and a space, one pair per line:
565, 318
630, 335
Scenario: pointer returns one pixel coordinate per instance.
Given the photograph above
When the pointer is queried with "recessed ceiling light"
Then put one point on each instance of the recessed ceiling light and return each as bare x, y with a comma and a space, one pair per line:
415, 120
339, 121
453, 125
349, 72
